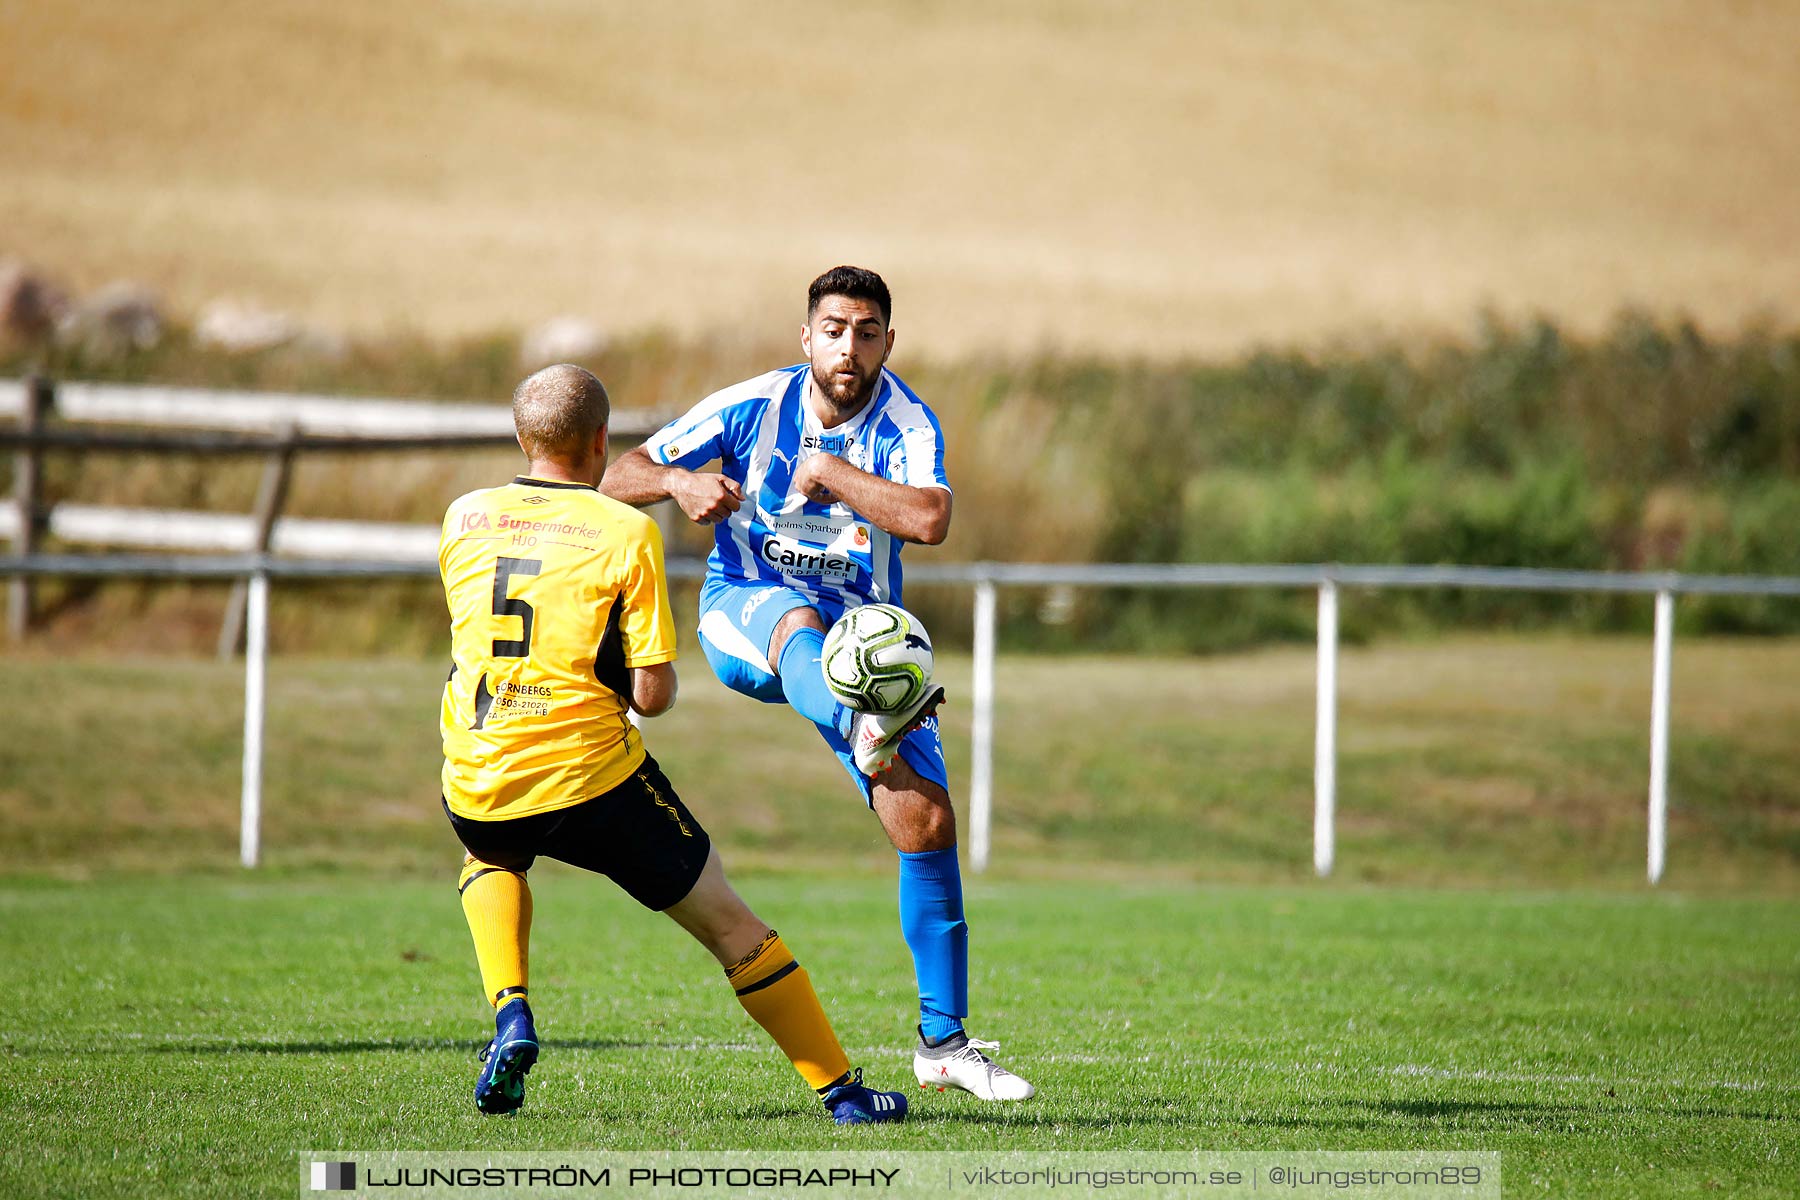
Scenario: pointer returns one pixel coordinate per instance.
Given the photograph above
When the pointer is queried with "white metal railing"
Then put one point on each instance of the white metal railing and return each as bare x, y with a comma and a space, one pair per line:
1325, 735
985, 578
1327, 579
256, 659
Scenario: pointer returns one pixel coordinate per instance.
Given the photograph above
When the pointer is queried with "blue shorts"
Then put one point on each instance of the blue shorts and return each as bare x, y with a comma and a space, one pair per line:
737, 618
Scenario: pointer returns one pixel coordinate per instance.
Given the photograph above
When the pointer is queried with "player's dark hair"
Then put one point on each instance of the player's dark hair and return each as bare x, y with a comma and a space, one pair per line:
858, 283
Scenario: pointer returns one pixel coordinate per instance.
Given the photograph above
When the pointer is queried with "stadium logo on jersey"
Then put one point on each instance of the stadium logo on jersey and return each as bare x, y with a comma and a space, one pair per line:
793, 557
842, 445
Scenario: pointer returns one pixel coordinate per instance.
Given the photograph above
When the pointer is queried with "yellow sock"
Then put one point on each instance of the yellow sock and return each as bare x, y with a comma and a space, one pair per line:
497, 903
776, 991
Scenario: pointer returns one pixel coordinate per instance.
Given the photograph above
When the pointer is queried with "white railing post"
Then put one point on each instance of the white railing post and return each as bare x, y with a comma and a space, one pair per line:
981, 768
256, 654
1659, 731
1325, 735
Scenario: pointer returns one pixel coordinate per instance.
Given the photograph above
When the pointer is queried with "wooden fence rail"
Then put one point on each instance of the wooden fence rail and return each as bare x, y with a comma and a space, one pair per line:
70, 417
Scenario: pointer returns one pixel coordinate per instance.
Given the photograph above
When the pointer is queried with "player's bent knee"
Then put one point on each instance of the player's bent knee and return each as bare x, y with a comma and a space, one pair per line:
938, 828
804, 617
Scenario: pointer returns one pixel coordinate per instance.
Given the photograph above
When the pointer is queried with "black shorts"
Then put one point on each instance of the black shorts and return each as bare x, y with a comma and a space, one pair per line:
639, 834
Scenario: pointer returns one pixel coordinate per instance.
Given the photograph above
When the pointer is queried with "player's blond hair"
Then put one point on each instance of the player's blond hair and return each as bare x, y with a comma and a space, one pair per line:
558, 410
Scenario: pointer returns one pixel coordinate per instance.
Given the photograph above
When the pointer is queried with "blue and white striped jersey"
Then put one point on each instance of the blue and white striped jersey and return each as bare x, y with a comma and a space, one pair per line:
760, 431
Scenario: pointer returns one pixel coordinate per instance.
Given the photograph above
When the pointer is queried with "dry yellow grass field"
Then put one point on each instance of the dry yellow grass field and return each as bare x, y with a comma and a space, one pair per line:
1143, 177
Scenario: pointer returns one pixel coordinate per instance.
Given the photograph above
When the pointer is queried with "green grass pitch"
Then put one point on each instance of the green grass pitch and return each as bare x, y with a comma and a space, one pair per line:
184, 1037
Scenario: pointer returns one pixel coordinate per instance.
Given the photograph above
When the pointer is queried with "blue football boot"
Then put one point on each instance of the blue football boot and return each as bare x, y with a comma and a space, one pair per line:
850, 1103
500, 1088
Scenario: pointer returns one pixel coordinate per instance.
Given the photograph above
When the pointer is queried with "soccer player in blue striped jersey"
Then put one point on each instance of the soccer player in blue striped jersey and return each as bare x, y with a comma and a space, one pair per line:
825, 470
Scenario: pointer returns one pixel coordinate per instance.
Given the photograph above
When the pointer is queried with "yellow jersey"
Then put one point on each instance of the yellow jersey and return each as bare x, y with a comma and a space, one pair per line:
555, 591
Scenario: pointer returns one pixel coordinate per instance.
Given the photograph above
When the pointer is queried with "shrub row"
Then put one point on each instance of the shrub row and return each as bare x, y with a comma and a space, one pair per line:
1653, 446
1544, 515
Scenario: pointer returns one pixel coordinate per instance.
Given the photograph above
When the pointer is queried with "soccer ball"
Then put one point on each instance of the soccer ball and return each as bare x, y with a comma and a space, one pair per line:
877, 658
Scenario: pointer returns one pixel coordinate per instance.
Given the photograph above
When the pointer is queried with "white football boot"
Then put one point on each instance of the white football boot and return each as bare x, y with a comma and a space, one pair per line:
875, 737
965, 1067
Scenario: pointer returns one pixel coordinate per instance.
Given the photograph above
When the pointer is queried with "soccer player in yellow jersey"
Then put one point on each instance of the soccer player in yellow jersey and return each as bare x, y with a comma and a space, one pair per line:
559, 621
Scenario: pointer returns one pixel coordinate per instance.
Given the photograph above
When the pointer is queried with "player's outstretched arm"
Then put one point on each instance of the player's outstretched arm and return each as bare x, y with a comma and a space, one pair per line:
636, 479
913, 514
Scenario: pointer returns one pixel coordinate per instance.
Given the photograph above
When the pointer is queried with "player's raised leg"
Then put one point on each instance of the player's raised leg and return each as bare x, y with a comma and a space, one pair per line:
496, 901
778, 994
796, 648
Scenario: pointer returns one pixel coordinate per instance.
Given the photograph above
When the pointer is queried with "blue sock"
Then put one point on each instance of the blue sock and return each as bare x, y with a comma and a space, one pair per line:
931, 918
803, 680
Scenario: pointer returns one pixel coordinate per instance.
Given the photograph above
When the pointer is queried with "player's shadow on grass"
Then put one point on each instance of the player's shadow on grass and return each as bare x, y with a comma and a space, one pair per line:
1501, 1114
454, 1045
1027, 1116
1437, 1109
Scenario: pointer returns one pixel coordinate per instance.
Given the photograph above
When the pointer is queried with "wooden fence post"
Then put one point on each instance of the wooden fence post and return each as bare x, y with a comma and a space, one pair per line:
270, 497
28, 486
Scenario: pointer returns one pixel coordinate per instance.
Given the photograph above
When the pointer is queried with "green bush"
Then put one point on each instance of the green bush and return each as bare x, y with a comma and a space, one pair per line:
1546, 514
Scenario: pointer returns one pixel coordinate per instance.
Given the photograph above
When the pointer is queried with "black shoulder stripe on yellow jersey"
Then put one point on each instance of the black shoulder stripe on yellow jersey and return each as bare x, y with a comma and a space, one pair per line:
484, 700
609, 656
524, 481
